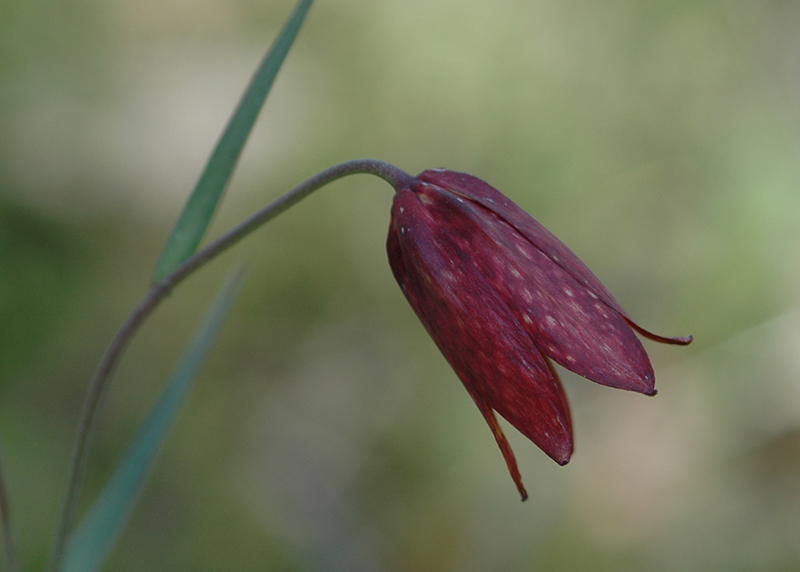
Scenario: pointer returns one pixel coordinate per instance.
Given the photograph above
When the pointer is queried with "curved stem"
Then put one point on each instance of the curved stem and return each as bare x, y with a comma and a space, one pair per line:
99, 385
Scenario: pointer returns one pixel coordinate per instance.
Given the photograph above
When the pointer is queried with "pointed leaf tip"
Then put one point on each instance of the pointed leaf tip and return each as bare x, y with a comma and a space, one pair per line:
199, 210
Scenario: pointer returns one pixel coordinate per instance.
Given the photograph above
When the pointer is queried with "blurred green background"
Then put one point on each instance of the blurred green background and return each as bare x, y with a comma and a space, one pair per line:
659, 140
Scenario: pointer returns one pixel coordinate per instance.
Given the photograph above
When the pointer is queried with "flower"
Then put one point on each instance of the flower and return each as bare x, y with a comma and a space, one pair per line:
501, 296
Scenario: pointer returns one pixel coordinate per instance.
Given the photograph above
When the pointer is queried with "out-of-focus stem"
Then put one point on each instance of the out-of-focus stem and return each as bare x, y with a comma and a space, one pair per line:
5, 522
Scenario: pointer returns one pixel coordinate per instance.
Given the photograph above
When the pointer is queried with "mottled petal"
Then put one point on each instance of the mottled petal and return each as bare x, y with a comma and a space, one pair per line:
484, 194
432, 258
565, 320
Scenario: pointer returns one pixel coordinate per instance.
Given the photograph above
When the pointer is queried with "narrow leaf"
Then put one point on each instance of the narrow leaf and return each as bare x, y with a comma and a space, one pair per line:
200, 209
92, 542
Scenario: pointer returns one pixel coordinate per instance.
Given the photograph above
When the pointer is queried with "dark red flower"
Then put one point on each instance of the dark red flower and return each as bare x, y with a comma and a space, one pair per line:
501, 296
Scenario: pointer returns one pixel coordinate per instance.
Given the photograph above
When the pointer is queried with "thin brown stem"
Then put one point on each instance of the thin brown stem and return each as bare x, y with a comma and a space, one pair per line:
105, 371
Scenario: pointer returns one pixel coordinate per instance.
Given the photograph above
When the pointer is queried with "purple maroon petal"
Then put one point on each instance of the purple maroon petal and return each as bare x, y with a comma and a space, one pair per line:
676, 340
484, 194
431, 249
502, 442
565, 320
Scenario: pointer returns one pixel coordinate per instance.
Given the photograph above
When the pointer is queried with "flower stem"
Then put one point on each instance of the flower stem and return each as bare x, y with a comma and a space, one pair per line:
105, 371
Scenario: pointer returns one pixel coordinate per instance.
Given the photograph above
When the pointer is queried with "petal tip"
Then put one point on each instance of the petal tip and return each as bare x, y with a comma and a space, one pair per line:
677, 341
563, 456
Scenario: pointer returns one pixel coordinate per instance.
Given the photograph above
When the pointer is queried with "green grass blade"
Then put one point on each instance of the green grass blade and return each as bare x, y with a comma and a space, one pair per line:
199, 211
90, 545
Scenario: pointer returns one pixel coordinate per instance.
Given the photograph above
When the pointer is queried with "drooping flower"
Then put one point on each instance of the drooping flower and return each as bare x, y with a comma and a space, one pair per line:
501, 296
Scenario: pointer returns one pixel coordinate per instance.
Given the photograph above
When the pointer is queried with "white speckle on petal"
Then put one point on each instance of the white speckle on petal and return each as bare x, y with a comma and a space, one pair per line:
401, 210
601, 308
523, 251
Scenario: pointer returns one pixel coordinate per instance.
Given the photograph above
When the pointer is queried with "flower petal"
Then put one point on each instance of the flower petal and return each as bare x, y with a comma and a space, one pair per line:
487, 346
502, 442
676, 340
484, 194
565, 320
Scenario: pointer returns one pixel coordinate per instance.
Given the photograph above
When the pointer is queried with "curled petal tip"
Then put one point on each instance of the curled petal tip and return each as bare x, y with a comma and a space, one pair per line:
652, 393
677, 341
564, 462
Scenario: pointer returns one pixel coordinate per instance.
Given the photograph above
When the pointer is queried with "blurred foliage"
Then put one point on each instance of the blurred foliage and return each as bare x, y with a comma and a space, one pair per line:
658, 139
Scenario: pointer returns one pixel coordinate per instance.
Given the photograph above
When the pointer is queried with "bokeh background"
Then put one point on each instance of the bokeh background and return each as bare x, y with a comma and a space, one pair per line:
660, 140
